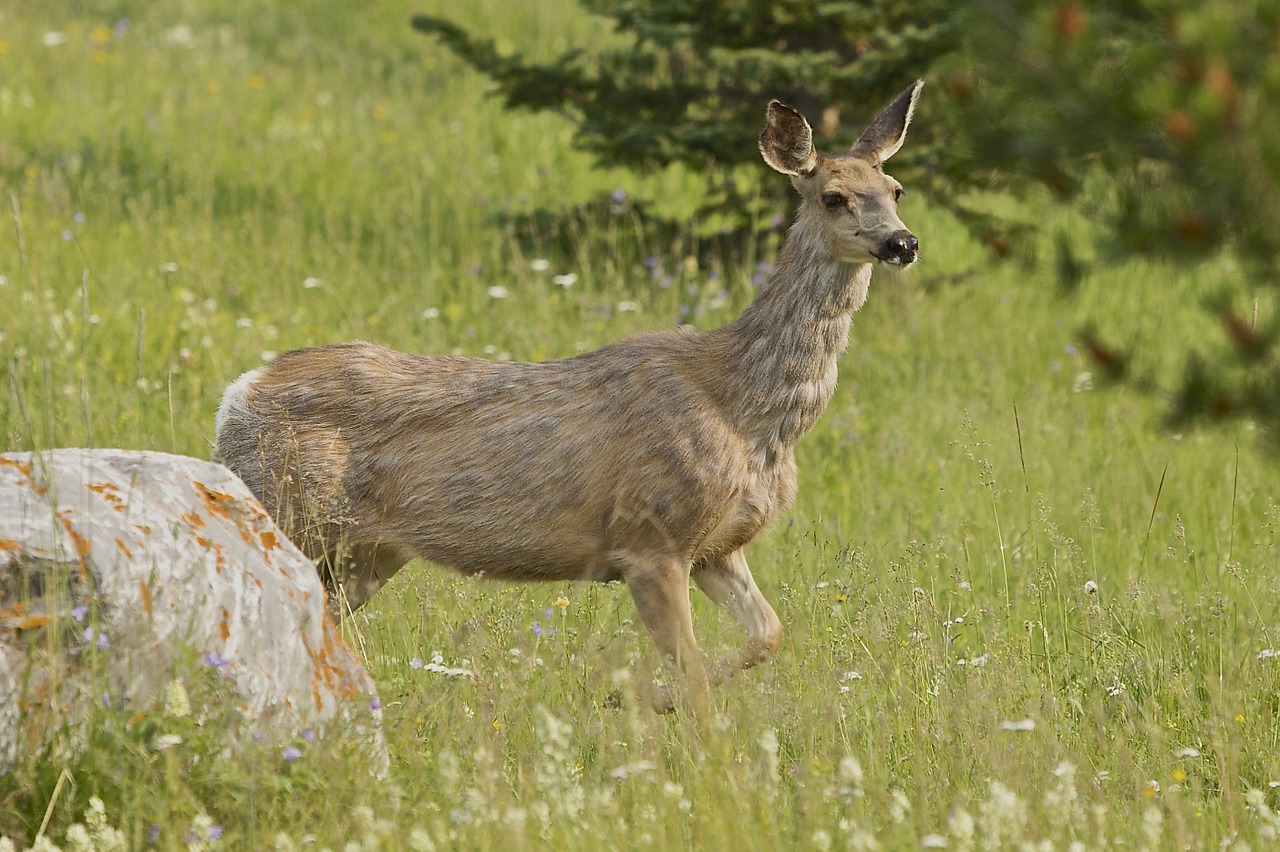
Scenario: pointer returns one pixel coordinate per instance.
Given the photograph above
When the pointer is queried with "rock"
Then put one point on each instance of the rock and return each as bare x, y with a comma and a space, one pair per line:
120, 570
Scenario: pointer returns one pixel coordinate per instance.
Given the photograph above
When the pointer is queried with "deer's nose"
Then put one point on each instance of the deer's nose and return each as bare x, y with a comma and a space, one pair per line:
901, 247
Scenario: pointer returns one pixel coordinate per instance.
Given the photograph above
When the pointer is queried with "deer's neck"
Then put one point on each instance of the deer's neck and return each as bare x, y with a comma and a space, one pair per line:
783, 349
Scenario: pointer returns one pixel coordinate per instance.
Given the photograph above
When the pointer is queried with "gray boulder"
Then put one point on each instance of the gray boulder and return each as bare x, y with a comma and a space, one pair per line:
121, 570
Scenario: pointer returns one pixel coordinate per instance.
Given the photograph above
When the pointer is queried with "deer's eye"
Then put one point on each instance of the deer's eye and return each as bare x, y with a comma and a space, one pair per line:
832, 200
898, 193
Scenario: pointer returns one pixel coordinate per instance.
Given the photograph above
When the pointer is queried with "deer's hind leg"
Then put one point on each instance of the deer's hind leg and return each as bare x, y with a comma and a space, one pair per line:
727, 580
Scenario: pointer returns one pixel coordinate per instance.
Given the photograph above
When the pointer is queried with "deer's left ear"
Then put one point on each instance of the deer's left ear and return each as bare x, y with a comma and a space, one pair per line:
882, 139
787, 141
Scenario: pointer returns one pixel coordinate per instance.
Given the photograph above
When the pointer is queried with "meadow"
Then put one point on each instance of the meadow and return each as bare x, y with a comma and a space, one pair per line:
1019, 612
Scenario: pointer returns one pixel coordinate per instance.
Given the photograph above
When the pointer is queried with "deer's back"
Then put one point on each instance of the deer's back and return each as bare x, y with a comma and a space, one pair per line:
519, 470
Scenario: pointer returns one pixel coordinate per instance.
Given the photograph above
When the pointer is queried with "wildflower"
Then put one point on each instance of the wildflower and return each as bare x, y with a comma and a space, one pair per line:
165, 741
1090, 587
312, 283
1269, 654
561, 602
309, 735
933, 841
169, 268
619, 196
102, 643
539, 264
415, 663
627, 307
79, 612
244, 322
67, 235
567, 280
1018, 725
375, 704
53, 39
497, 292
1187, 752
821, 840
291, 753
431, 313
1082, 383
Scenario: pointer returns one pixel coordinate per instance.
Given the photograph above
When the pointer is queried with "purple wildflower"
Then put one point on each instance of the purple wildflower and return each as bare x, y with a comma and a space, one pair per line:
537, 629
78, 218
153, 833
215, 832
309, 735
67, 236
375, 704
415, 663
619, 196
79, 612
88, 634
103, 642
122, 26
291, 753
1070, 350
215, 660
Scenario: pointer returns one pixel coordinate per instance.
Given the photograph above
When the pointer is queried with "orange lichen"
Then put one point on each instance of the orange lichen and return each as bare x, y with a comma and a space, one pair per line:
145, 588
80, 543
269, 540
9, 544
124, 548
193, 519
33, 621
224, 625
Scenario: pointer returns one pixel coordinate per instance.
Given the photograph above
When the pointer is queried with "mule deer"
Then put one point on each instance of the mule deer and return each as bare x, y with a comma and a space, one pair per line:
649, 461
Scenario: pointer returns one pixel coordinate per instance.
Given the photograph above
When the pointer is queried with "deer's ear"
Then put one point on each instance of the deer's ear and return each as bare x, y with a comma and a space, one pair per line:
882, 139
787, 141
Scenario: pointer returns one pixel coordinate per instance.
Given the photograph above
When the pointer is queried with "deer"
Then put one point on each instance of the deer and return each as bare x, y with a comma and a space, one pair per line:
652, 461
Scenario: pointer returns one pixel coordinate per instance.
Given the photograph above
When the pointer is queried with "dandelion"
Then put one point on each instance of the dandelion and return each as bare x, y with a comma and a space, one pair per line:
498, 292
291, 753
539, 264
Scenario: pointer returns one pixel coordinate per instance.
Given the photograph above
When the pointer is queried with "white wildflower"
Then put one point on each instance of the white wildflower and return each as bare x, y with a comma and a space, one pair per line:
769, 750
899, 807
567, 280
1083, 382
933, 841
539, 264
1003, 817
431, 313
420, 840
165, 741
1090, 587
78, 839
311, 283
961, 826
1269, 654
1187, 752
627, 307
1153, 827
821, 840
53, 39
176, 701
1018, 725
497, 291
640, 767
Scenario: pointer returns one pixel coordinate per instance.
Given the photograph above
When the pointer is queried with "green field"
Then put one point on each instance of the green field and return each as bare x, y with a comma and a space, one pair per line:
1019, 613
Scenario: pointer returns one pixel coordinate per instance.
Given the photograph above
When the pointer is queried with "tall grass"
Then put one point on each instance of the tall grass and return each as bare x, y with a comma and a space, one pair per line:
1018, 611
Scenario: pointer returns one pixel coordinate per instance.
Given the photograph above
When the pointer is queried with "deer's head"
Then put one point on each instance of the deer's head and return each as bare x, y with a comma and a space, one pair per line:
848, 197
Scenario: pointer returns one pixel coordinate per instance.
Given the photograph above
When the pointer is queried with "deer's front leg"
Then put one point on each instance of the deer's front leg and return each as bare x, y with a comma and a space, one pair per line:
660, 588
727, 580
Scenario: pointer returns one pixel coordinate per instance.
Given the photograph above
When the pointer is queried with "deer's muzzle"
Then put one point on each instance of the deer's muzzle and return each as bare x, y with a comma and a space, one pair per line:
900, 249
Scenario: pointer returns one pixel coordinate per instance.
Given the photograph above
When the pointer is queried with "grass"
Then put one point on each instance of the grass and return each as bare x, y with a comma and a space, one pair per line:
1017, 610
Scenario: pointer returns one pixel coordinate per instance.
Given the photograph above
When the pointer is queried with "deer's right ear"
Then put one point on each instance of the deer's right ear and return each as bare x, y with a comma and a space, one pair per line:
787, 141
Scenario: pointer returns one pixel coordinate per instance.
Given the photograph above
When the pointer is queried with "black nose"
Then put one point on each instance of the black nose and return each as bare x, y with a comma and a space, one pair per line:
902, 246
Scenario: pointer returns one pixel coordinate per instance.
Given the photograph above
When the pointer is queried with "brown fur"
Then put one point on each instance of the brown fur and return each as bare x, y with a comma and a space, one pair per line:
650, 461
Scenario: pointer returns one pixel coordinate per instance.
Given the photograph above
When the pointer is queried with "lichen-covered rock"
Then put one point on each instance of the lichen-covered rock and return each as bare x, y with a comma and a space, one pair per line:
119, 570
